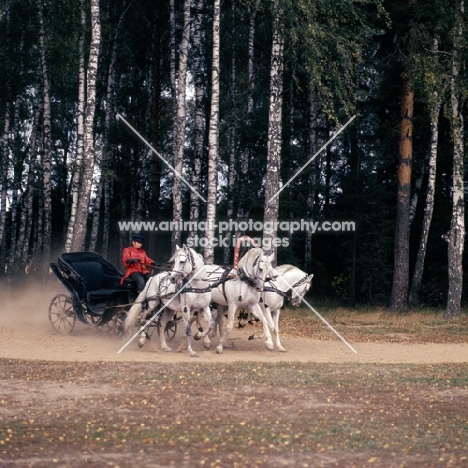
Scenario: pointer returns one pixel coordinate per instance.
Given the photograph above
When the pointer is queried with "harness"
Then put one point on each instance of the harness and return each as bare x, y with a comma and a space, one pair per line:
288, 294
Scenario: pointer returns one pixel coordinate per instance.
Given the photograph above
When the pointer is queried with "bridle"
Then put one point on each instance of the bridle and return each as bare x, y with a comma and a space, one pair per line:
253, 280
289, 297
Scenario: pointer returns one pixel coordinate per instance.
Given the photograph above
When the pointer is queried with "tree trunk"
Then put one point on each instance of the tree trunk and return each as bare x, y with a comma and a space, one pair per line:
4, 179
78, 166
47, 143
80, 230
312, 179
15, 189
27, 214
213, 140
156, 117
232, 141
399, 297
199, 116
274, 133
429, 207
102, 188
244, 208
456, 235
179, 127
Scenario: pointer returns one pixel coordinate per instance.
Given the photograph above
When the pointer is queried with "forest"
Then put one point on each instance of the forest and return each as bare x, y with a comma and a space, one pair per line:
346, 115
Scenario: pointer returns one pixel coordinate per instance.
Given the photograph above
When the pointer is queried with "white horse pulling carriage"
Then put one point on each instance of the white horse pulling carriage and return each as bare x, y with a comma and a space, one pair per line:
291, 284
172, 295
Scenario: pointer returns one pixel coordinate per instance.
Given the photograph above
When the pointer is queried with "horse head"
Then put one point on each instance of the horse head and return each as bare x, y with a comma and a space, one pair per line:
300, 289
257, 266
184, 264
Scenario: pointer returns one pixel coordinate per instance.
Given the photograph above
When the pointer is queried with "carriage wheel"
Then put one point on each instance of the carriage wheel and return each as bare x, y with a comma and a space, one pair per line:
61, 315
171, 329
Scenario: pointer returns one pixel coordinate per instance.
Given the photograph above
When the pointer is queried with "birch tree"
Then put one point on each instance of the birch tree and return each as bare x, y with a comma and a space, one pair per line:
47, 142
429, 206
80, 228
456, 235
274, 132
179, 126
102, 191
78, 163
199, 113
232, 140
213, 140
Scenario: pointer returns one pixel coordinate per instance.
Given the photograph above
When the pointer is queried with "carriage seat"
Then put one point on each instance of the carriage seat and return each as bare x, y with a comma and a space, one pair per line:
99, 285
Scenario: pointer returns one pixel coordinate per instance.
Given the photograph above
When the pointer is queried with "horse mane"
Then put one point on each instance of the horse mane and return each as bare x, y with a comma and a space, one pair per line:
184, 247
285, 268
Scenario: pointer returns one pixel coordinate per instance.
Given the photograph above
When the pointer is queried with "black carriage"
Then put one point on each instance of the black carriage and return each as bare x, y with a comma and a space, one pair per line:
96, 296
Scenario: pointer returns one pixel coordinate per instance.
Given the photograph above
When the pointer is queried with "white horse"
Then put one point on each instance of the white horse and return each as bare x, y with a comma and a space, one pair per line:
242, 289
290, 280
191, 296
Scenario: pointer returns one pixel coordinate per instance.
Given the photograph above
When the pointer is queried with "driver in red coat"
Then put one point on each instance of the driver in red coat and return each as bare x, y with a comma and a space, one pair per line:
135, 262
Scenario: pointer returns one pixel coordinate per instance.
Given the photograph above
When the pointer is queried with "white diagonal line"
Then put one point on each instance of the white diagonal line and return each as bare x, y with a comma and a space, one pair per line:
321, 318
180, 176
146, 325
311, 159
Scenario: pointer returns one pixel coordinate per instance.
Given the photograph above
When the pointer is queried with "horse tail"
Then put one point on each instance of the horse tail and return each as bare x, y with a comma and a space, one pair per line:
134, 311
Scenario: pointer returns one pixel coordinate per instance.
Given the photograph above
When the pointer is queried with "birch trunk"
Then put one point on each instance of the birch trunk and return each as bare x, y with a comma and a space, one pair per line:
78, 165
429, 207
80, 230
312, 178
156, 117
274, 133
27, 214
199, 115
102, 189
4, 179
179, 127
46, 146
232, 142
213, 140
15, 189
456, 235
243, 210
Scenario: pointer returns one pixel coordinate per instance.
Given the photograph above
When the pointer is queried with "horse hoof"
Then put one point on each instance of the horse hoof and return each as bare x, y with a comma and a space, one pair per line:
197, 337
167, 349
142, 340
251, 337
219, 350
270, 347
193, 354
207, 345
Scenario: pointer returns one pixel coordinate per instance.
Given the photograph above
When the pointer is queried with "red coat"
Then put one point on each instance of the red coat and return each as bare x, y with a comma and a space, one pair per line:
136, 267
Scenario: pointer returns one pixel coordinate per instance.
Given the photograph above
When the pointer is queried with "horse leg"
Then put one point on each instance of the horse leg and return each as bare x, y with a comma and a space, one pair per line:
224, 336
276, 315
211, 324
166, 315
188, 331
257, 311
267, 314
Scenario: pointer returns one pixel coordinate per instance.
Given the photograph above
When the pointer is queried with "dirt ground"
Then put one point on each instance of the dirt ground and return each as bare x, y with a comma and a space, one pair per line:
25, 333
76, 401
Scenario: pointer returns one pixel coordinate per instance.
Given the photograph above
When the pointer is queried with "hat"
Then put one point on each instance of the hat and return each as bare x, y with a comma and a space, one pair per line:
138, 238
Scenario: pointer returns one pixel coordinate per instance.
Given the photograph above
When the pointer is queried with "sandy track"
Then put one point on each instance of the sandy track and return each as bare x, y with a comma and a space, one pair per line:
26, 334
